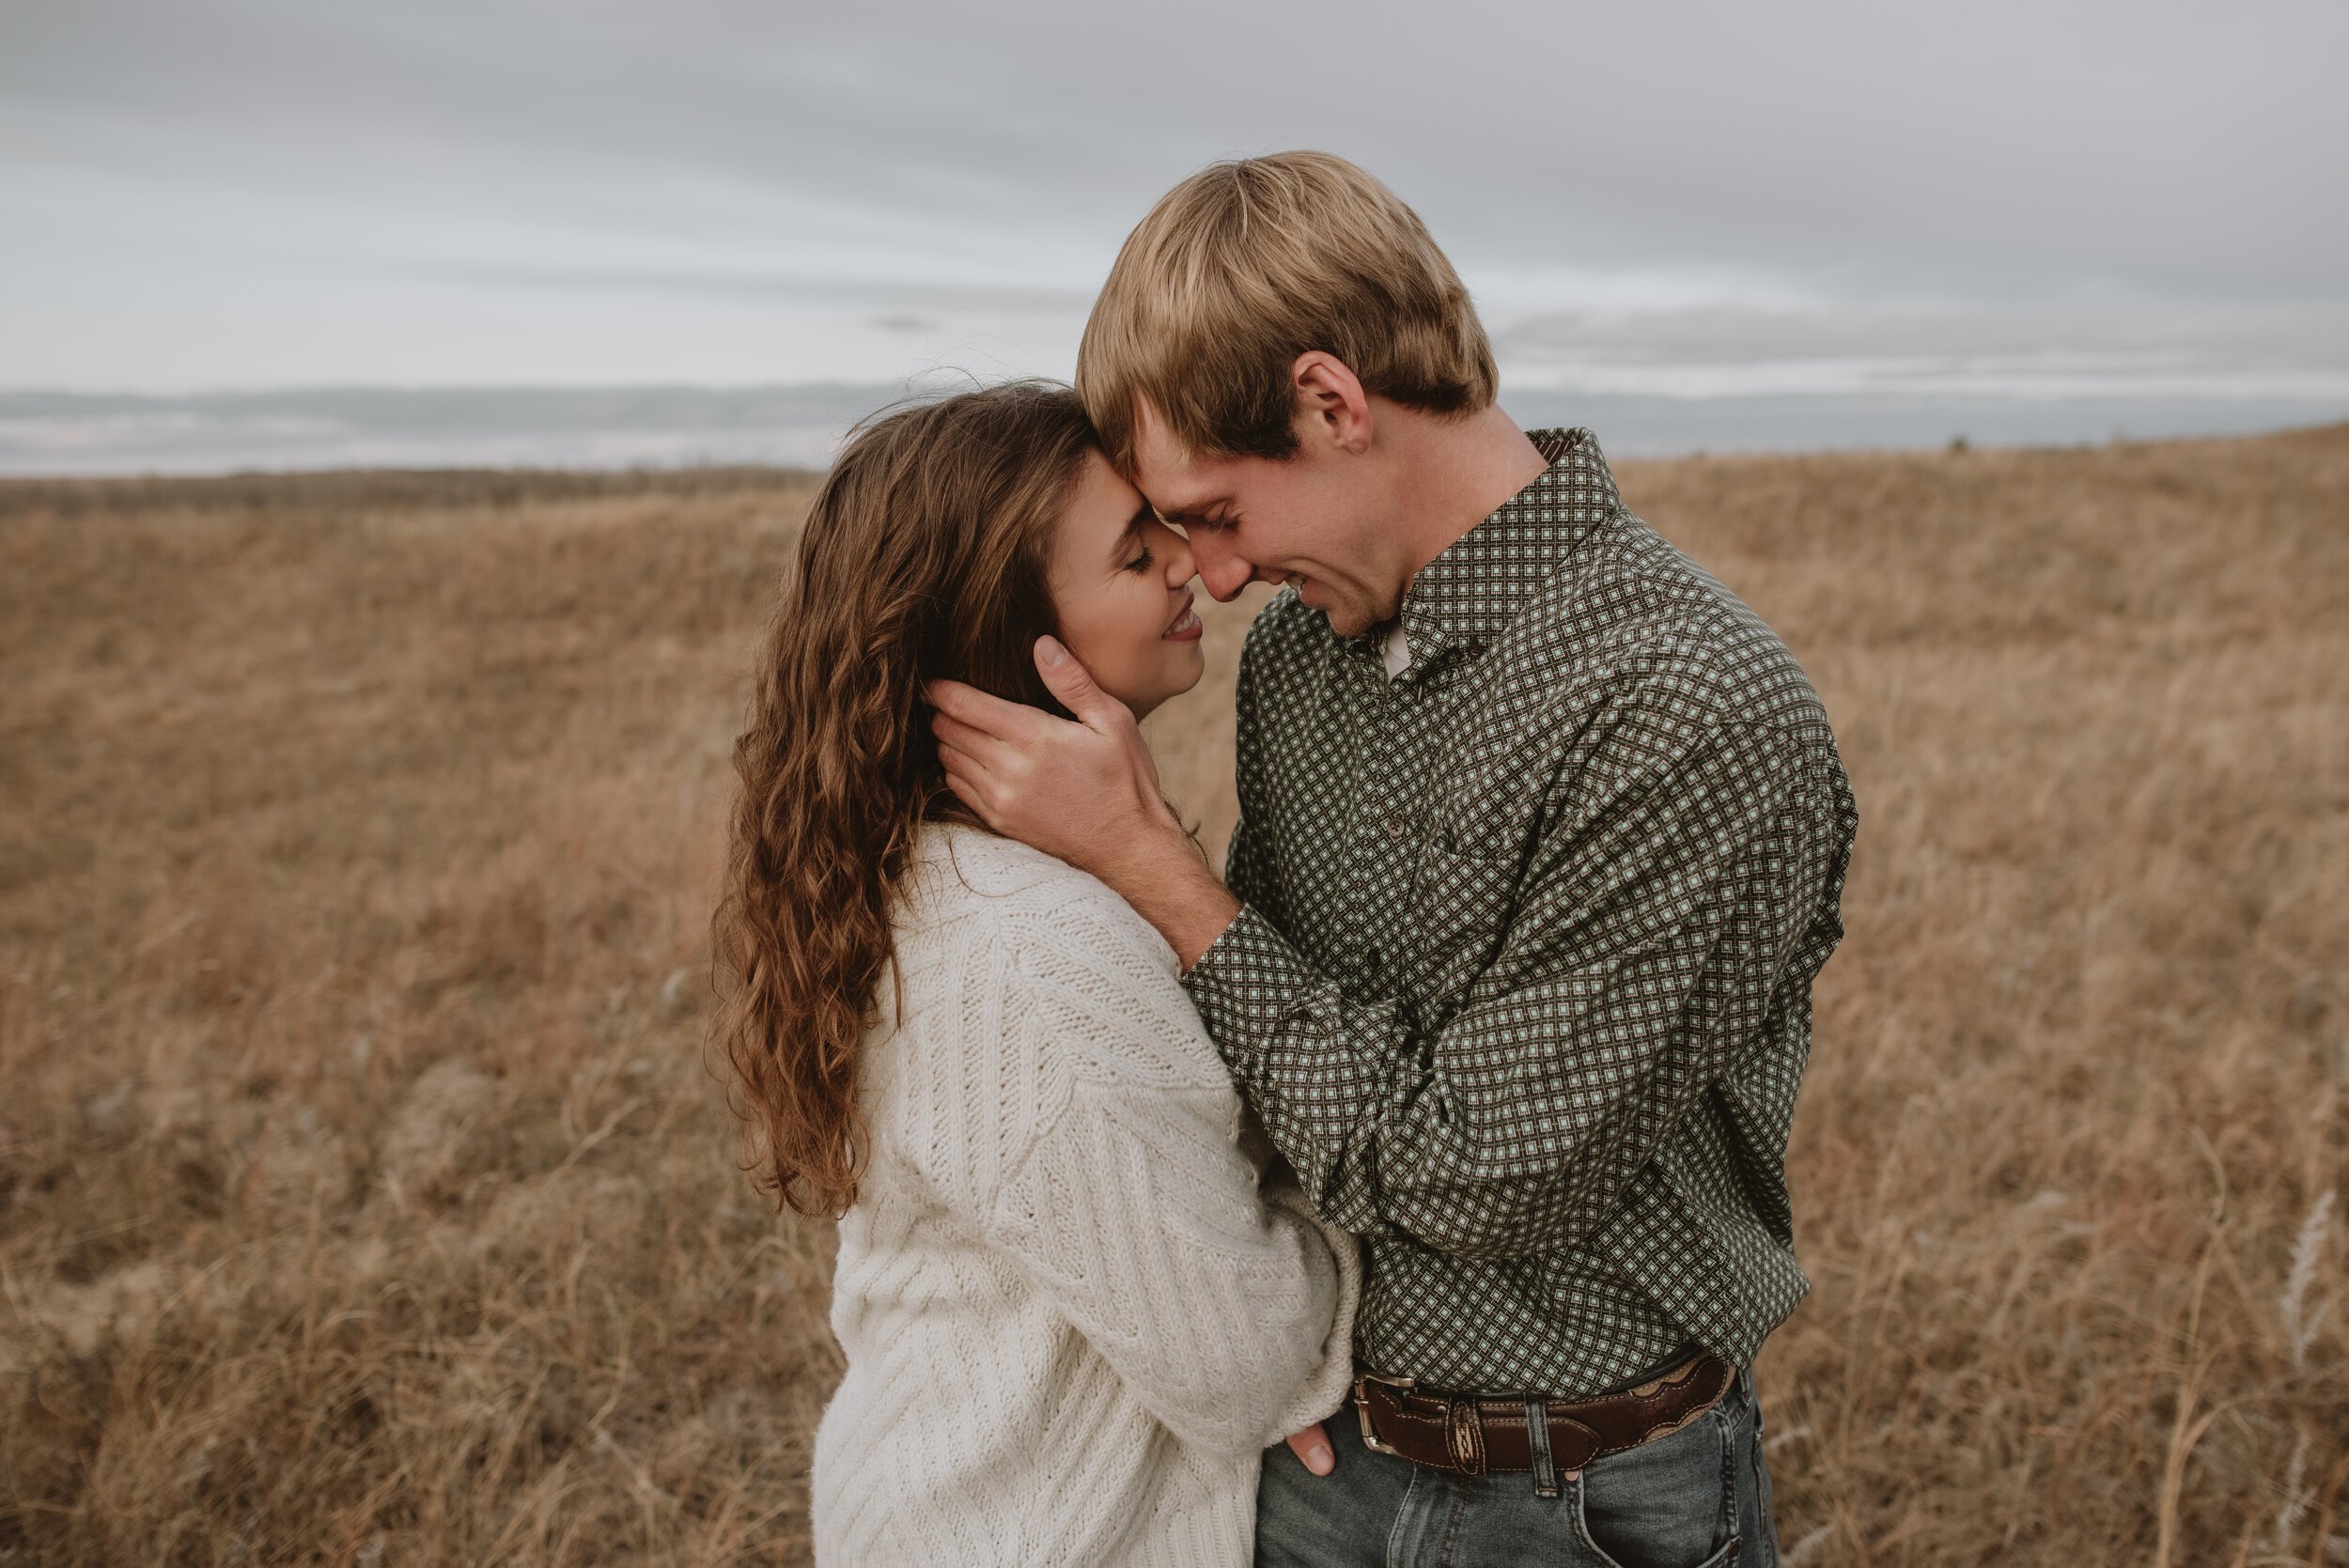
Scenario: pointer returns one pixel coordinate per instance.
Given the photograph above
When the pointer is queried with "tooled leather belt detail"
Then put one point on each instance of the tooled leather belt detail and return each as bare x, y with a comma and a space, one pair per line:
1486, 1433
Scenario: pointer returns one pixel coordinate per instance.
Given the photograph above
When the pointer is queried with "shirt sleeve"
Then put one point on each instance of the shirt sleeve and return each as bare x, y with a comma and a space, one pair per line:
1248, 871
1655, 926
1135, 1212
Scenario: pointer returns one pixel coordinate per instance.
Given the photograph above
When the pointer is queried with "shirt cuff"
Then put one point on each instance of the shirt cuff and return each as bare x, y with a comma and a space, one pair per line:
1247, 984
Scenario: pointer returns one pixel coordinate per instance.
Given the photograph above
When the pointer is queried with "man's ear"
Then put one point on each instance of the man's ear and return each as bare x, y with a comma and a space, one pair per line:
1331, 406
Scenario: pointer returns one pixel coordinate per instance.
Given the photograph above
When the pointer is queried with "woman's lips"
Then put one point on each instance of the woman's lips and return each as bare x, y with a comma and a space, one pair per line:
1186, 626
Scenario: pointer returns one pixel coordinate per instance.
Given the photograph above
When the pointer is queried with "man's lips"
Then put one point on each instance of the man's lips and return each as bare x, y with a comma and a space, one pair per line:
1184, 625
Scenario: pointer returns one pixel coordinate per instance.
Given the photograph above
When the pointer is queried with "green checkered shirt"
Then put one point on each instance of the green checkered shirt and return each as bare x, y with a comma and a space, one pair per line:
1522, 984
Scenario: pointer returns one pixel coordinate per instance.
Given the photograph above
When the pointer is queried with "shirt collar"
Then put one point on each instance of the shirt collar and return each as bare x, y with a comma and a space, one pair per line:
1463, 596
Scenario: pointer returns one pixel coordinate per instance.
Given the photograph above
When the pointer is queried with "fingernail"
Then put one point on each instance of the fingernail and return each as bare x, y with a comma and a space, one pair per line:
1049, 651
1318, 1459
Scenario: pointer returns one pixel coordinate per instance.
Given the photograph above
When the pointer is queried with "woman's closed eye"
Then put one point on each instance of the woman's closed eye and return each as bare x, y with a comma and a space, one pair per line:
1142, 561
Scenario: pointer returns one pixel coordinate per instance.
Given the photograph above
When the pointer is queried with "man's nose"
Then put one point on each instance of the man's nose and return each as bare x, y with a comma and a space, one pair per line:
1180, 565
1223, 573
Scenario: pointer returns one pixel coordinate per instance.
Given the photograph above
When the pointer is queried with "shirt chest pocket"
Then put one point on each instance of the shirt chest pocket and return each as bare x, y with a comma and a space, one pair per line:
1458, 911
1466, 883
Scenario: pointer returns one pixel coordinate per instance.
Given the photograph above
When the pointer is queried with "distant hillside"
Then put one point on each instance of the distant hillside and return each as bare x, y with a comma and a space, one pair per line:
328, 427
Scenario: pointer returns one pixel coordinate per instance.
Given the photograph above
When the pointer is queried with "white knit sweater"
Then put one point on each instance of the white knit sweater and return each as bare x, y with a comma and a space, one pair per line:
1072, 1324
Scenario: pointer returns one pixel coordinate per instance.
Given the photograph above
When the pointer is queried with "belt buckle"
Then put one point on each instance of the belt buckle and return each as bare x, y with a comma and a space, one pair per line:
1361, 1407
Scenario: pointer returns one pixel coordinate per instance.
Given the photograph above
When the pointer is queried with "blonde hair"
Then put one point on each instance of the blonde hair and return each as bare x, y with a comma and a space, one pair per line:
1249, 263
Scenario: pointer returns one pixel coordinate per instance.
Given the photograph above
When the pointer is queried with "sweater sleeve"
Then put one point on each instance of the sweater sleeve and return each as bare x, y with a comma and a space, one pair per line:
1132, 1208
1324, 1392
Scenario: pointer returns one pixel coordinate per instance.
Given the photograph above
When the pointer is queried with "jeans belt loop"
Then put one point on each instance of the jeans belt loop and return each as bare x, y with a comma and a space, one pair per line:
1537, 1438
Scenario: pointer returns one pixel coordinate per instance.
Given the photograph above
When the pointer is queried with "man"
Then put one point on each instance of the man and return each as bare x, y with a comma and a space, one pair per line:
1542, 838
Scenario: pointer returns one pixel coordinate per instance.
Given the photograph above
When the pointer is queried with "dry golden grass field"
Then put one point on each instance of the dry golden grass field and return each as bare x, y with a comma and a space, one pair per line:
364, 1198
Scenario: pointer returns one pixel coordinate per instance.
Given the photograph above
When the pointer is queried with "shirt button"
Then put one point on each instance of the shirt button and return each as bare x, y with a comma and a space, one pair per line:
1395, 825
1370, 958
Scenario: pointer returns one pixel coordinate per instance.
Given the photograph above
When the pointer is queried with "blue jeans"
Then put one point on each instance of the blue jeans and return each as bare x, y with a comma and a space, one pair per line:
1698, 1498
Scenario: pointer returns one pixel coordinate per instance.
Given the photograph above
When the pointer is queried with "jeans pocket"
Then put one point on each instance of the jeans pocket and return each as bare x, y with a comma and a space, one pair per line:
1669, 1503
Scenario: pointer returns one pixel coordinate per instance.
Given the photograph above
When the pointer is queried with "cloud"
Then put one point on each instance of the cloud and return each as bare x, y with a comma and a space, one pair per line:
2075, 349
201, 191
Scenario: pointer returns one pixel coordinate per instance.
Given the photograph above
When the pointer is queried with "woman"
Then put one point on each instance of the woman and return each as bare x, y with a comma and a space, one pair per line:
1072, 1320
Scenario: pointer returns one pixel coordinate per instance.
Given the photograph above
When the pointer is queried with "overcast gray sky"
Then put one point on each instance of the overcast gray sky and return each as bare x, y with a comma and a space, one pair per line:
1697, 200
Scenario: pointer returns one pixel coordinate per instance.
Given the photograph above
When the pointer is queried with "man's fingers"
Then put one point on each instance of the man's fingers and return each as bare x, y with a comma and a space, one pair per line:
1313, 1450
961, 765
969, 797
981, 710
1067, 678
972, 784
994, 756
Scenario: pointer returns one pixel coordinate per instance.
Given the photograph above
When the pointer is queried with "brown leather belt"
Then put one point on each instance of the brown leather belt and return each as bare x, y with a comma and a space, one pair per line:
1484, 1433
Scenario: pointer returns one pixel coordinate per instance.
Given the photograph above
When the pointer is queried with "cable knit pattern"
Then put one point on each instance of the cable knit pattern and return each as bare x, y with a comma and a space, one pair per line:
1073, 1321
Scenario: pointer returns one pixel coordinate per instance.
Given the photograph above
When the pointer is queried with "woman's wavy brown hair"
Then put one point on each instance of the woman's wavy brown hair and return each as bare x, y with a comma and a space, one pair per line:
923, 555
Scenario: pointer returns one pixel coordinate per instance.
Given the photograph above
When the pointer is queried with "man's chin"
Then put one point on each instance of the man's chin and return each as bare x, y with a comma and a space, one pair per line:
1345, 619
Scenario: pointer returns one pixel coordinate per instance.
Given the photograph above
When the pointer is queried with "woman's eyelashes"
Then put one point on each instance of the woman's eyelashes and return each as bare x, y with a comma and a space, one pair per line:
1142, 561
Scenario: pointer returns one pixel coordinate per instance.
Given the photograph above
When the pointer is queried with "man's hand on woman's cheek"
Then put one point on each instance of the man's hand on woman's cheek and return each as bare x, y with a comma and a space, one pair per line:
1084, 791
